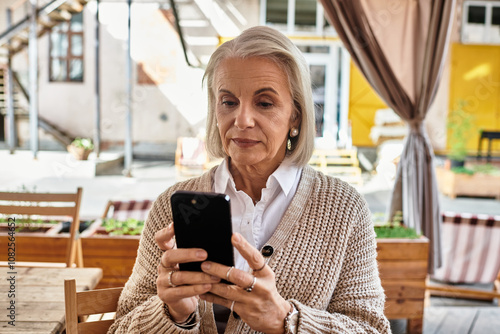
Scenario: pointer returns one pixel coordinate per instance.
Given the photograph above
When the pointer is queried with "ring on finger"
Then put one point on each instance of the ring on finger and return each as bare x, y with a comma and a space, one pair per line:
170, 284
227, 274
232, 306
255, 270
250, 288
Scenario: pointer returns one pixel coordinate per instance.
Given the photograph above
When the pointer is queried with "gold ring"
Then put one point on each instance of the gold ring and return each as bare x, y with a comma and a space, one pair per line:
170, 284
227, 274
250, 288
255, 270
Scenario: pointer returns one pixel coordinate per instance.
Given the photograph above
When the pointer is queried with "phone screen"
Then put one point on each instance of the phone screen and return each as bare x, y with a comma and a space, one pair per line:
203, 220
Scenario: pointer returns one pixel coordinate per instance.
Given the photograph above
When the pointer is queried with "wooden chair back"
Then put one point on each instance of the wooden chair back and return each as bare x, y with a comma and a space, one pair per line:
88, 303
49, 205
122, 210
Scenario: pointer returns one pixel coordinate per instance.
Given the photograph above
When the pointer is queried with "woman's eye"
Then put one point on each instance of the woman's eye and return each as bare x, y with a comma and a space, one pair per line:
228, 103
265, 104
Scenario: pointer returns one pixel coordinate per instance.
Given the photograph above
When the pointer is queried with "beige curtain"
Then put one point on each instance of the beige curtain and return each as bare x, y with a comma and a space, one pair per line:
400, 47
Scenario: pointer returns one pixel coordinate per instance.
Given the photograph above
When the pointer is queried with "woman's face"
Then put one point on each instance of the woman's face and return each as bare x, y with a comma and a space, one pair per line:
254, 111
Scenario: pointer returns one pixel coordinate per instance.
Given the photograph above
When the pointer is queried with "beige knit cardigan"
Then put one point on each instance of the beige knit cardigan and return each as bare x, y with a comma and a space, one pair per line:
324, 260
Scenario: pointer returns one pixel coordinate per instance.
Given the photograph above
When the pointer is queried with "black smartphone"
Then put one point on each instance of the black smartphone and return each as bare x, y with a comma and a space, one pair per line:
203, 220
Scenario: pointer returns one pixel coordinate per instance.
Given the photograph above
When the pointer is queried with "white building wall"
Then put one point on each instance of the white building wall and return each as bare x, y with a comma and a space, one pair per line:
155, 118
174, 106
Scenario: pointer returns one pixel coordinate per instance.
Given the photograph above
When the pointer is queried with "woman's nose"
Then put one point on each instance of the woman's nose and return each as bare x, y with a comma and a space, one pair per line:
244, 117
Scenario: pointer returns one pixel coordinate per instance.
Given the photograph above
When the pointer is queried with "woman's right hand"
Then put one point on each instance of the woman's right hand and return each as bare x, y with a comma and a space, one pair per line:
180, 290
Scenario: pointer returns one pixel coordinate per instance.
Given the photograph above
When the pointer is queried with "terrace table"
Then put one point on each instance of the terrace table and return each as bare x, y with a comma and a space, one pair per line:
39, 296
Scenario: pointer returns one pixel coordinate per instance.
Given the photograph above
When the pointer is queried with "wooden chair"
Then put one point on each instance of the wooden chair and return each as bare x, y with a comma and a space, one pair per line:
191, 157
122, 210
46, 205
470, 255
341, 163
96, 304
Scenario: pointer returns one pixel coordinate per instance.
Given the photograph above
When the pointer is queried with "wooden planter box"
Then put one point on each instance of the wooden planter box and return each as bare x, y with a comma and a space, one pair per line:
403, 272
480, 185
45, 245
115, 255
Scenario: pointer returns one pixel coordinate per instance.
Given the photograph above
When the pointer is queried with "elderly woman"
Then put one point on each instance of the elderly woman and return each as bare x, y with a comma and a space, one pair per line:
305, 259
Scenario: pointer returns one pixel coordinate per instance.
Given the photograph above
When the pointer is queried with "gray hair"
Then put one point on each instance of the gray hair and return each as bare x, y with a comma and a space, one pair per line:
261, 41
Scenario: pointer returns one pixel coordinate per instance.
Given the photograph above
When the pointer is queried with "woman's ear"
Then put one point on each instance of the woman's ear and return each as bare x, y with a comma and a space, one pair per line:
295, 120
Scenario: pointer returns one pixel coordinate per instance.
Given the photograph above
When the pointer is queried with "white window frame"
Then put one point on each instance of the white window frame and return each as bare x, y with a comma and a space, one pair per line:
337, 55
487, 39
290, 28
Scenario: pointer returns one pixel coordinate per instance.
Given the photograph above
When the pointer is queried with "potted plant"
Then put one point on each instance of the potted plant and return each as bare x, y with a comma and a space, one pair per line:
402, 257
474, 180
459, 126
80, 148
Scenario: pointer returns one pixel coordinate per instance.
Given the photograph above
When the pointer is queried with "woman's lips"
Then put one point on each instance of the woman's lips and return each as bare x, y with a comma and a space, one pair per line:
242, 142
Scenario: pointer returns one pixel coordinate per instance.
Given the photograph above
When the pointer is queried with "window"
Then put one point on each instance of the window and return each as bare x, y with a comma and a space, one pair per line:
481, 22
495, 16
66, 50
292, 16
477, 14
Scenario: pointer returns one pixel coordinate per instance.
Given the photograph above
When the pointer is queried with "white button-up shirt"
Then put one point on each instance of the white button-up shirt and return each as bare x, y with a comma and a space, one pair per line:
256, 223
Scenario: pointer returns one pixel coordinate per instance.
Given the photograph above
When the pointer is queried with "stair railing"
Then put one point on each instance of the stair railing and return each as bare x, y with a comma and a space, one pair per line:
46, 7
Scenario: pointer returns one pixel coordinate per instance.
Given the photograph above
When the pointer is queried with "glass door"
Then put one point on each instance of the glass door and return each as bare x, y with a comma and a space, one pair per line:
324, 79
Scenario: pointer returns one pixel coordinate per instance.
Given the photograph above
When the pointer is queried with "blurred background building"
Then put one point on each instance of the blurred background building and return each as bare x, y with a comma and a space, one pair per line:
87, 92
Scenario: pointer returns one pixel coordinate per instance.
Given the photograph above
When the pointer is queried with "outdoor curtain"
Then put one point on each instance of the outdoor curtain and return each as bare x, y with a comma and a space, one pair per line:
400, 47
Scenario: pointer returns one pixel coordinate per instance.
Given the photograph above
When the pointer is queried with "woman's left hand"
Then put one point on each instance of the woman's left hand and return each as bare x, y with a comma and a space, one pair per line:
262, 308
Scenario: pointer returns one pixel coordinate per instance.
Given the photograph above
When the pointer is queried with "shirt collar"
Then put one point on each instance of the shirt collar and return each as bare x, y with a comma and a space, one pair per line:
222, 177
285, 175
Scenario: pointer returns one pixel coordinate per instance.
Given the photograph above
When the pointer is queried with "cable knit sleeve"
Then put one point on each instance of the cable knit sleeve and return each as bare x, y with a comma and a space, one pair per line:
358, 301
140, 310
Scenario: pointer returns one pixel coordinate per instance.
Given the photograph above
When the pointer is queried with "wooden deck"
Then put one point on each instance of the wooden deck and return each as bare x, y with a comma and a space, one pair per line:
459, 319
457, 316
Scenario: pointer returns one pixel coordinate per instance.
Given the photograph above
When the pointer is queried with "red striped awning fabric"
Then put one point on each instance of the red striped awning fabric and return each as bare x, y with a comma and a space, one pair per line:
471, 248
122, 210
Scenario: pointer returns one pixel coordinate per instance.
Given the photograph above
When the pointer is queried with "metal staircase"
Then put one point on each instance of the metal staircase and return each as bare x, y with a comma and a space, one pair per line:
201, 25
50, 13
15, 38
20, 111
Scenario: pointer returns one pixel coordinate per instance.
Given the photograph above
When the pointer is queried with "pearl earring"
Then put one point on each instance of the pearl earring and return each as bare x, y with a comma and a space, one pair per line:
294, 132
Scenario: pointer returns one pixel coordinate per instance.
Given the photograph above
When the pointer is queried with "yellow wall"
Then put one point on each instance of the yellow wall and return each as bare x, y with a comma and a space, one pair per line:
475, 79
363, 103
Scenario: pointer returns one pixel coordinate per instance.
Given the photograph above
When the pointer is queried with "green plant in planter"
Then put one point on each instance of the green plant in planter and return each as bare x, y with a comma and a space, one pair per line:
487, 169
130, 226
28, 223
84, 143
394, 228
462, 170
80, 148
459, 126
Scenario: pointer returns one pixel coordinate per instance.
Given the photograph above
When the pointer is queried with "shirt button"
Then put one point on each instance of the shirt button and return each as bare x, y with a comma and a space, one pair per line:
267, 251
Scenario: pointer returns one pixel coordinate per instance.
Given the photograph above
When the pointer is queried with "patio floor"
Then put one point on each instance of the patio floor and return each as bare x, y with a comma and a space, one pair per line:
457, 316
444, 315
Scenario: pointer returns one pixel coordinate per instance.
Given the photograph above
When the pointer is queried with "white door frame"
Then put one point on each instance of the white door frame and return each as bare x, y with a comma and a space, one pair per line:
330, 61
